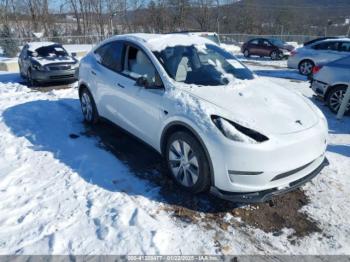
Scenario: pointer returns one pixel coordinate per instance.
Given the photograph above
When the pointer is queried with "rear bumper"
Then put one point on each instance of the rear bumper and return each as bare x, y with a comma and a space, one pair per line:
265, 195
54, 76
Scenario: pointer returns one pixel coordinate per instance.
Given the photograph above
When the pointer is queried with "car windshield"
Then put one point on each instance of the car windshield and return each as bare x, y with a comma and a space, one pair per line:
207, 65
278, 42
51, 51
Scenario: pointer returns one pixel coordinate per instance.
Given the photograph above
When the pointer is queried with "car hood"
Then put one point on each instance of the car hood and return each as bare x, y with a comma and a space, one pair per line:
288, 47
54, 60
260, 105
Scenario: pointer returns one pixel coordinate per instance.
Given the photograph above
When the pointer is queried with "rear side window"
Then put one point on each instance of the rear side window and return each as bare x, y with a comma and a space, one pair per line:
344, 47
110, 55
254, 42
327, 46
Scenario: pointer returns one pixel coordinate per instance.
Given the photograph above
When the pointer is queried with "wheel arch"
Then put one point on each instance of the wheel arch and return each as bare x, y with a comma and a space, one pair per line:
181, 126
330, 88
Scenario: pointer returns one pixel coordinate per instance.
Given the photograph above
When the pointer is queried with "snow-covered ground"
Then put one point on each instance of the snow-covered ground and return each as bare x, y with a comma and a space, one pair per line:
62, 192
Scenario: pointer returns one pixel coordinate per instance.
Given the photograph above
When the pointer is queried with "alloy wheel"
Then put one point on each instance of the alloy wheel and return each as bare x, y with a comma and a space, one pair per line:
183, 163
86, 106
336, 99
246, 53
306, 68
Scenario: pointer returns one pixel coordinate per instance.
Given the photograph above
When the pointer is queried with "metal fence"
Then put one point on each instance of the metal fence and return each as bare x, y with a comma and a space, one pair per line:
237, 39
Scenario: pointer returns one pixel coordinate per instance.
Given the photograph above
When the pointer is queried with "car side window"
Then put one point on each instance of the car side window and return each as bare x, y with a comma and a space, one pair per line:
332, 46
265, 43
137, 64
254, 42
344, 46
110, 55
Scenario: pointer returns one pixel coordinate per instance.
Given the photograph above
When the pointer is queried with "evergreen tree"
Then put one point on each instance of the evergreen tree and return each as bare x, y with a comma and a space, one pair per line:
8, 43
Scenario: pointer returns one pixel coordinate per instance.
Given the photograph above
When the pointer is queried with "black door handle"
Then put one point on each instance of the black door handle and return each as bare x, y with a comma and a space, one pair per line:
93, 72
120, 85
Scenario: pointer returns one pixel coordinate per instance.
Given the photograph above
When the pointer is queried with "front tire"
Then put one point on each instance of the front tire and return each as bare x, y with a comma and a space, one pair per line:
305, 67
187, 162
88, 107
335, 98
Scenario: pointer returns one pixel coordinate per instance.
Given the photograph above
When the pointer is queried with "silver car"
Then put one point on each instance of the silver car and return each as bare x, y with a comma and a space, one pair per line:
321, 52
42, 62
330, 81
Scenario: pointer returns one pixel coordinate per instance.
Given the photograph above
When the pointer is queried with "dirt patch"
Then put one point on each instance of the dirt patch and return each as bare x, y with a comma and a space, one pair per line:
205, 209
281, 212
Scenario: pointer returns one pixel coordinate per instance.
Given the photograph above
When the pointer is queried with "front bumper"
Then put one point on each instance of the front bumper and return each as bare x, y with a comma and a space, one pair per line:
243, 167
54, 76
263, 196
319, 87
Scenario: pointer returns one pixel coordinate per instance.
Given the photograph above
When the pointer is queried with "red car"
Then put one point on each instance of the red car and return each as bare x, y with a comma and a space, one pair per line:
264, 47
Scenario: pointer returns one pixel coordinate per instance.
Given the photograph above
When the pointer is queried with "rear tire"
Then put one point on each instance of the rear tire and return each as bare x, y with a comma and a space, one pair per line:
305, 67
335, 97
187, 162
246, 53
88, 107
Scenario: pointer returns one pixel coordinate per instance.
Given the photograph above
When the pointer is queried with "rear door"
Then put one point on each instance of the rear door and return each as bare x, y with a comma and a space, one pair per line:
265, 47
106, 75
253, 46
326, 52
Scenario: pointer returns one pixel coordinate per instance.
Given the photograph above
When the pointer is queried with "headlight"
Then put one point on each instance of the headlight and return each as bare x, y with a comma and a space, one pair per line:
38, 67
237, 132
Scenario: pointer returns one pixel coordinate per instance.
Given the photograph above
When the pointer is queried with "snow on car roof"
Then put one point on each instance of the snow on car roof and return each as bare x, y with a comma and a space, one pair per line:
32, 46
158, 42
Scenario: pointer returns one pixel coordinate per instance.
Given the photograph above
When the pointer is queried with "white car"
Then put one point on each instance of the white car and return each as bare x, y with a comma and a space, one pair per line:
217, 125
330, 82
319, 52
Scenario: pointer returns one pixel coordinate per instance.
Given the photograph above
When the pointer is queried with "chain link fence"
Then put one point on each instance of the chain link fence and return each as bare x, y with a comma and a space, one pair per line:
236, 39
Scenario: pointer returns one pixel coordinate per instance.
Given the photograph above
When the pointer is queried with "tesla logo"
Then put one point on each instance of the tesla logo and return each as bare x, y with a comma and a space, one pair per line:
299, 122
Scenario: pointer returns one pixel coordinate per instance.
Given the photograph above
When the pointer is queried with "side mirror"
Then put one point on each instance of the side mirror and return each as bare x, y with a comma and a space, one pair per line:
142, 81
74, 54
35, 54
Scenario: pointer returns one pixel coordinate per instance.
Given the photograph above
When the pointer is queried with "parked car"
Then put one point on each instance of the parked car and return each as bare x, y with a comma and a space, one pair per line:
42, 62
274, 48
217, 125
321, 52
330, 82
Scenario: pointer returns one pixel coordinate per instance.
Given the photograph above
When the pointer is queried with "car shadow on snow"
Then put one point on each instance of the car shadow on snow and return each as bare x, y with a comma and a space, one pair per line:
106, 156
103, 155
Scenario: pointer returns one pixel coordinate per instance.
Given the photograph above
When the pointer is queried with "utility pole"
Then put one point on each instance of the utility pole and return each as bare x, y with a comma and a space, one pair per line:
344, 103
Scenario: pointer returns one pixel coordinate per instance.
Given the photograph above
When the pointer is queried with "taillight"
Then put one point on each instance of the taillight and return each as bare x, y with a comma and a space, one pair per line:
315, 69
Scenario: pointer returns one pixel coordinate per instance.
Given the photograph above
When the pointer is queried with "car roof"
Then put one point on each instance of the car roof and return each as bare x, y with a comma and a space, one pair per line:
332, 40
158, 42
32, 46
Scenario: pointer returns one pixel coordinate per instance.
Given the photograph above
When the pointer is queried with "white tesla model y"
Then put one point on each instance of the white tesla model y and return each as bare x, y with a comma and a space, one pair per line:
218, 126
